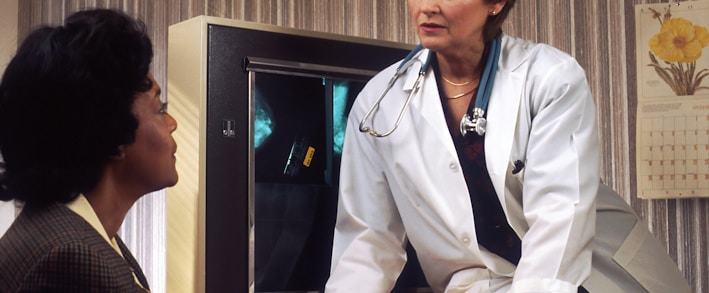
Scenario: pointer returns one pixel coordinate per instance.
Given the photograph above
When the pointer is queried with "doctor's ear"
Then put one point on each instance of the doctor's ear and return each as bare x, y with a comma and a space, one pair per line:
497, 6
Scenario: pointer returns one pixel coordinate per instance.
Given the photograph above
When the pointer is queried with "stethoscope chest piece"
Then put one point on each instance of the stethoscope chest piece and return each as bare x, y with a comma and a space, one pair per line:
475, 124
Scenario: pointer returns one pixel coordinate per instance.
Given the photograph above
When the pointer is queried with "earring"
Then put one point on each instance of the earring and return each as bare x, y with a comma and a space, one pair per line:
493, 12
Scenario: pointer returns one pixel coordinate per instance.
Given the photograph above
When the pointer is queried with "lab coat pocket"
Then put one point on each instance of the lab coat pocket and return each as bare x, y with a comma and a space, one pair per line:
517, 167
515, 175
513, 184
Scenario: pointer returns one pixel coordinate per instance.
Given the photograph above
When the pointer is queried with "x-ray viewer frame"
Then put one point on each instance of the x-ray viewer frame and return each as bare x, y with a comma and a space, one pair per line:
212, 64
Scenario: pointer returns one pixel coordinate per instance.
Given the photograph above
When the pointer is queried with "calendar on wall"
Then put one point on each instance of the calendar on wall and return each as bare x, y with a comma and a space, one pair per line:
672, 126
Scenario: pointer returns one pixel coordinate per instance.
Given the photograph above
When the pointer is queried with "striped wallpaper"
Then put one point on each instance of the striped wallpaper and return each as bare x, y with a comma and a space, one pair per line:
599, 33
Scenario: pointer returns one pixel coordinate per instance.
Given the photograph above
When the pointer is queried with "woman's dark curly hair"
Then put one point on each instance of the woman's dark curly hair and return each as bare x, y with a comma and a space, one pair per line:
65, 104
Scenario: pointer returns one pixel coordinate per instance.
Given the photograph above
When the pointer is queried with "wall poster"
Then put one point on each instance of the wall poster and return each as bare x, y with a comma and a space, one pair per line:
672, 138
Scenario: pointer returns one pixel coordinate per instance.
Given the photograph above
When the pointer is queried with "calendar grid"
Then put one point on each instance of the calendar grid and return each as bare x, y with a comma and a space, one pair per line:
674, 156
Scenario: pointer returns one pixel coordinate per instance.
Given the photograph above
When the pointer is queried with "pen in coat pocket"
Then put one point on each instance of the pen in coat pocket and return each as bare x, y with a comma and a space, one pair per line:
518, 167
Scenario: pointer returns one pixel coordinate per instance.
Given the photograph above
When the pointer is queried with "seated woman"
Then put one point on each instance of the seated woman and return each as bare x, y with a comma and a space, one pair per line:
83, 134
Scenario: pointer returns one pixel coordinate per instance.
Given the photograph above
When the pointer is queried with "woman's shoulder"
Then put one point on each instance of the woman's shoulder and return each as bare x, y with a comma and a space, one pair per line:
54, 242
70, 266
518, 51
376, 82
37, 231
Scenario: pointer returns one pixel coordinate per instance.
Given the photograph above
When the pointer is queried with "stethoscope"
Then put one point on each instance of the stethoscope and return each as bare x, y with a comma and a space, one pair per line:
475, 123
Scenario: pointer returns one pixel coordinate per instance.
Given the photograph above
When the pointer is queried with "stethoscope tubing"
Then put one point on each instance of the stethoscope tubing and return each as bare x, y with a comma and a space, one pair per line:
403, 66
475, 123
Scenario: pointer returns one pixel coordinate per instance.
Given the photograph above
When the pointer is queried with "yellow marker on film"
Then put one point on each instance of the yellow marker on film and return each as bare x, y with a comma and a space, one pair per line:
309, 156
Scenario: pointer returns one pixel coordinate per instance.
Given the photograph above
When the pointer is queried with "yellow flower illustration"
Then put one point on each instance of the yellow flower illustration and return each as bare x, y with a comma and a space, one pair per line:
702, 35
678, 41
679, 44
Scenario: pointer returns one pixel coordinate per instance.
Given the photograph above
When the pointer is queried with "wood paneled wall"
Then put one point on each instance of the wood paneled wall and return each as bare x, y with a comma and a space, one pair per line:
599, 33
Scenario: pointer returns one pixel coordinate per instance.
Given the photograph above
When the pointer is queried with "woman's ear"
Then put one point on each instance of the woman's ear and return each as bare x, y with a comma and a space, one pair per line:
497, 6
120, 152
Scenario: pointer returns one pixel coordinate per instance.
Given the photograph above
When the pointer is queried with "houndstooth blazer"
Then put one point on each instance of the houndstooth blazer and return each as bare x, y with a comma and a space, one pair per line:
53, 249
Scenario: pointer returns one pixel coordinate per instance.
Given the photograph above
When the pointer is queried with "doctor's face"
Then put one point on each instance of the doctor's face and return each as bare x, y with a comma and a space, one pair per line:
450, 25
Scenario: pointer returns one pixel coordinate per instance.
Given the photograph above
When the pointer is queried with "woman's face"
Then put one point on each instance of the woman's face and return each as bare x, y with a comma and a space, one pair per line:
149, 162
445, 25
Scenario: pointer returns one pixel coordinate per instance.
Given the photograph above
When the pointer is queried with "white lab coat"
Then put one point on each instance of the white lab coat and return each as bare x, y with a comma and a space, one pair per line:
409, 185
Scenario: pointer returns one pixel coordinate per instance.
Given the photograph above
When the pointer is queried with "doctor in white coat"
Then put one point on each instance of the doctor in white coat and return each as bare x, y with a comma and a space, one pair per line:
519, 208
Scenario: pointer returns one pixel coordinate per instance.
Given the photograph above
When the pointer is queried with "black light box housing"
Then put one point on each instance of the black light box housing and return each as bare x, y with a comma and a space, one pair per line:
261, 113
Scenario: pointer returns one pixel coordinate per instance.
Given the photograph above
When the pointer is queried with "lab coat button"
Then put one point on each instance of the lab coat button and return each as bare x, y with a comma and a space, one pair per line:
466, 240
453, 166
